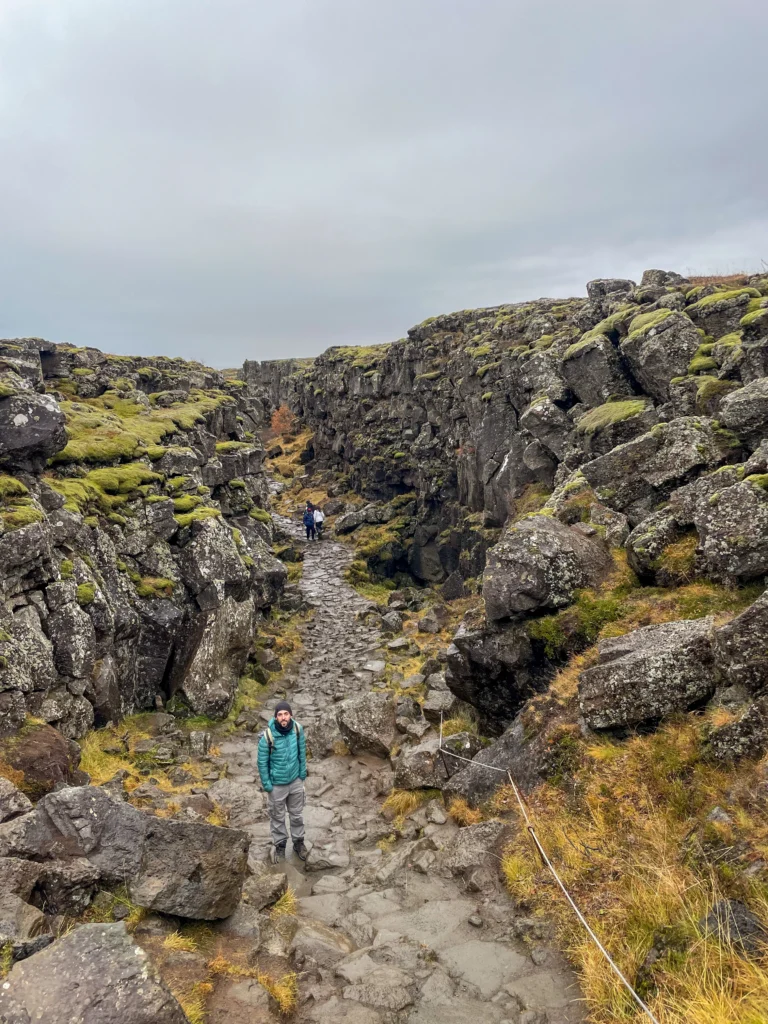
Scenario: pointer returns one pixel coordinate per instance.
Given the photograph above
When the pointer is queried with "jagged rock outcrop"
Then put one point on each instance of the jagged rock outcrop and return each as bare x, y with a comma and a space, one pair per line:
134, 541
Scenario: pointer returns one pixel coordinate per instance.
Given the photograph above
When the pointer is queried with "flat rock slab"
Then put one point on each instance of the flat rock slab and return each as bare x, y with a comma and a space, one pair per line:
438, 925
486, 965
550, 989
343, 1011
461, 1011
95, 974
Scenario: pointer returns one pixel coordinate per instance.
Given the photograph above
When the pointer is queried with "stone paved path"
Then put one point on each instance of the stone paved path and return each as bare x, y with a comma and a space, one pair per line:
381, 937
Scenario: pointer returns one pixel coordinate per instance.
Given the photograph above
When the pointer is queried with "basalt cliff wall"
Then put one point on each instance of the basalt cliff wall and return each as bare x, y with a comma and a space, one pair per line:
135, 553
520, 450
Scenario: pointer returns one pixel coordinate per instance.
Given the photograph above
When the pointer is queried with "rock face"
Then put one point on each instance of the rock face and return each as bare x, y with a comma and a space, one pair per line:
649, 673
132, 570
81, 836
207, 868
95, 973
538, 563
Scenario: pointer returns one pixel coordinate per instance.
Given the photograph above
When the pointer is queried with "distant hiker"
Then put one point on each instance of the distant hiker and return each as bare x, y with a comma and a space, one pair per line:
309, 521
319, 520
282, 760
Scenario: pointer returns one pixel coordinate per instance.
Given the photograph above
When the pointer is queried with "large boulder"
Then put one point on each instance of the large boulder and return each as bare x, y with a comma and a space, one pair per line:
538, 563
533, 749
721, 312
73, 637
637, 476
425, 766
367, 723
210, 564
80, 821
45, 758
548, 424
219, 642
491, 667
12, 801
745, 412
741, 647
476, 846
733, 532
95, 974
18, 876
593, 369
31, 429
371, 514
659, 347
746, 736
648, 674
190, 869
23, 929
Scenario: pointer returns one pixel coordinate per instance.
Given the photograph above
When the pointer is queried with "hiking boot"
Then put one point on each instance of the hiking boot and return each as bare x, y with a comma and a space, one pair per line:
277, 853
300, 849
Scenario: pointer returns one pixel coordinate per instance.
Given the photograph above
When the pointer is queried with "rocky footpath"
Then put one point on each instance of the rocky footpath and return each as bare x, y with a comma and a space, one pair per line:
400, 920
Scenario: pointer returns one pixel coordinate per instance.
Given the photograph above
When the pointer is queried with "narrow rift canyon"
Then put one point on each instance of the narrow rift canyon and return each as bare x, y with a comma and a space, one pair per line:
544, 561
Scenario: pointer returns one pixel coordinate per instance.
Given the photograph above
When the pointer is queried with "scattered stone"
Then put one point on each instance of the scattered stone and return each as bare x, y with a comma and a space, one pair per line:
12, 801
732, 922
367, 723
264, 891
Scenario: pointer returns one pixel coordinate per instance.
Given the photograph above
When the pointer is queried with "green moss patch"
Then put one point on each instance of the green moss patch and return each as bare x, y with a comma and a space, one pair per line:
197, 515
86, 594
260, 515
710, 300
609, 413
227, 447
605, 328
646, 321
115, 428
10, 487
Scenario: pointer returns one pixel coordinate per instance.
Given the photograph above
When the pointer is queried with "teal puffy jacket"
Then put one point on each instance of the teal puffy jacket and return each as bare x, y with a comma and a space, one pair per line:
287, 761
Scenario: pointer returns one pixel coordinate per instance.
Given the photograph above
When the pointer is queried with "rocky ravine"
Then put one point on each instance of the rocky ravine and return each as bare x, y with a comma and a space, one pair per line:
424, 934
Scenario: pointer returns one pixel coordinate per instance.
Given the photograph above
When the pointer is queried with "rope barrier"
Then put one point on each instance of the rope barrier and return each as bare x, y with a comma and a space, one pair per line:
543, 854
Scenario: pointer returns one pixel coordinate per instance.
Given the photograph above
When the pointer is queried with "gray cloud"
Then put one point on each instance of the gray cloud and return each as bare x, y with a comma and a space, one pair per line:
250, 179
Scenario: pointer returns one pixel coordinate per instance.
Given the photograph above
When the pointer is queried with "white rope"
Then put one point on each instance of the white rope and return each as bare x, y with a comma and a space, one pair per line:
548, 862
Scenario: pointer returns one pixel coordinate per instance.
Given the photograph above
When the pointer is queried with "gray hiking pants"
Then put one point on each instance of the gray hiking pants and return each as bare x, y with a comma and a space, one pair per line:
291, 797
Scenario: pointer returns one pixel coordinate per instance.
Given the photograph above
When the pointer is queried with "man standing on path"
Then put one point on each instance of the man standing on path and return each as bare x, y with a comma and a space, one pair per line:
282, 759
309, 521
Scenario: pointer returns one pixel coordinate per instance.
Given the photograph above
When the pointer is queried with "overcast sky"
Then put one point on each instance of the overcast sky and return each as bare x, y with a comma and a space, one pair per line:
230, 179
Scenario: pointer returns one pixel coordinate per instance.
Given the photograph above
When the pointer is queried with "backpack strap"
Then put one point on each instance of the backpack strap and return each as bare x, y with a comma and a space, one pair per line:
270, 744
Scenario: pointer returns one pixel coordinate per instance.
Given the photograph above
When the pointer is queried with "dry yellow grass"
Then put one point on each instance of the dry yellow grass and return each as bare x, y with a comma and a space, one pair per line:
459, 723
284, 990
179, 943
462, 813
218, 815
644, 862
287, 904
402, 802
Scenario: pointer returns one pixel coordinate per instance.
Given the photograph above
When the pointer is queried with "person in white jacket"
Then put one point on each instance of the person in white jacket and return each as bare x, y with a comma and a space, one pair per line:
319, 520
